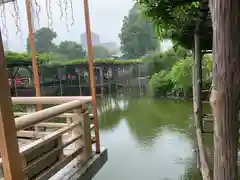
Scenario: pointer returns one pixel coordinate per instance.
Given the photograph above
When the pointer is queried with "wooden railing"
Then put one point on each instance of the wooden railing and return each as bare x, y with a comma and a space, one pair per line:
47, 152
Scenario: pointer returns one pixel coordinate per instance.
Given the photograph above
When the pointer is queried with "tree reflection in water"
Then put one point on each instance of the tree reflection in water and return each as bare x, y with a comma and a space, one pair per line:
159, 128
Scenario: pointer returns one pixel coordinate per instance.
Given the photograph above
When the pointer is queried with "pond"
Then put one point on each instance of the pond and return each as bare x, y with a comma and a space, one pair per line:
146, 139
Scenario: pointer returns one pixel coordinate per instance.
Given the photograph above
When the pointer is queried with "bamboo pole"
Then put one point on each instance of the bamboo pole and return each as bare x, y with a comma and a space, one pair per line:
92, 77
12, 165
33, 51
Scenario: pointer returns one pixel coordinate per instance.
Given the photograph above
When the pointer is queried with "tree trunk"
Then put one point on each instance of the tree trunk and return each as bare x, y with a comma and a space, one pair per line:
226, 86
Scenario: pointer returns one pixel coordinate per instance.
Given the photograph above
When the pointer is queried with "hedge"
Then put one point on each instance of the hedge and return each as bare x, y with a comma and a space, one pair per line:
46, 59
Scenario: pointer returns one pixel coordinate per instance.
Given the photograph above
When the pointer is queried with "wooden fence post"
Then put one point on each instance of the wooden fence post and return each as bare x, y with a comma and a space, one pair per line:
82, 116
12, 165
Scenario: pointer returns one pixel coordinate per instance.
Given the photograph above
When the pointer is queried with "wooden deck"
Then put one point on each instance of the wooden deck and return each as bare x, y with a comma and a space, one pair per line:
61, 143
75, 169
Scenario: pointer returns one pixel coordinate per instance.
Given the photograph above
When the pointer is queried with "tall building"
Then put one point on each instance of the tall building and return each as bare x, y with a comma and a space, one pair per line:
95, 40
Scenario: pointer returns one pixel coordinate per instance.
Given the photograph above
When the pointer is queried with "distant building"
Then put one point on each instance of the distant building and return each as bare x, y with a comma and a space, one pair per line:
95, 40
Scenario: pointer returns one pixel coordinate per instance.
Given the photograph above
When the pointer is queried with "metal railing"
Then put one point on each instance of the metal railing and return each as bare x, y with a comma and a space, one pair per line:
47, 153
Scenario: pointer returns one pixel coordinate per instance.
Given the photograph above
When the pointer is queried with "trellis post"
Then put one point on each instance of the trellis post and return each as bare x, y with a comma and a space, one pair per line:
92, 76
9, 150
33, 51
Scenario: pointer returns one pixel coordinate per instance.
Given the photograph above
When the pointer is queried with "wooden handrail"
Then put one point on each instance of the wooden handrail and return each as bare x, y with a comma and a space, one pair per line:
48, 149
65, 115
39, 116
50, 99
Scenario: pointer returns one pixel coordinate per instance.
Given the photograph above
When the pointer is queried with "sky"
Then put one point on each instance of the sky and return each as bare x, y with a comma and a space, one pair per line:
106, 17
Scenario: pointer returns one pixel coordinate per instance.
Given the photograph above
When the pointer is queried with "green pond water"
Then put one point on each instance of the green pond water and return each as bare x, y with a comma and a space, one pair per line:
146, 139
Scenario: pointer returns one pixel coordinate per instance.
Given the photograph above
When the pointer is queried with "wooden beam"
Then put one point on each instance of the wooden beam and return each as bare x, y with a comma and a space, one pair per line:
194, 103
31, 134
12, 165
92, 77
33, 51
204, 168
198, 78
198, 107
50, 99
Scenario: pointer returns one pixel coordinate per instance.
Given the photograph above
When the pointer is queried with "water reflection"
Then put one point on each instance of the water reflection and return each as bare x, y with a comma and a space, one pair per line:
146, 139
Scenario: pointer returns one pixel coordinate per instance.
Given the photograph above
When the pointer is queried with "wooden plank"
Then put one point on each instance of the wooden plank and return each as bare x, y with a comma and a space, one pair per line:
87, 137
12, 164
33, 155
31, 134
40, 166
42, 162
50, 172
202, 154
65, 115
51, 100
37, 117
52, 125
54, 135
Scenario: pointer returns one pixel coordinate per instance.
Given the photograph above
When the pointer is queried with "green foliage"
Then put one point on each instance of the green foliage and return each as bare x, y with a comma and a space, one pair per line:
158, 61
176, 65
71, 50
56, 59
181, 74
43, 40
207, 69
18, 108
137, 34
15, 56
100, 52
98, 61
173, 19
161, 83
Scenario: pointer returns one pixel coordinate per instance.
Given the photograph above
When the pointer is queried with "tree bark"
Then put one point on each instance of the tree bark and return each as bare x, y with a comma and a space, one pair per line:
226, 86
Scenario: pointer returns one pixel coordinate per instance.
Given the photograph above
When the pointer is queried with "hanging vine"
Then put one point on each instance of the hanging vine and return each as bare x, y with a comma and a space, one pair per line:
49, 13
61, 8
16, 16
4, 23
66, 14
37, 11
71, 4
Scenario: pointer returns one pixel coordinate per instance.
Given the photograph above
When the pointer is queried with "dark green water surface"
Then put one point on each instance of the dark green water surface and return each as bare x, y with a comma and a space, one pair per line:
146, 139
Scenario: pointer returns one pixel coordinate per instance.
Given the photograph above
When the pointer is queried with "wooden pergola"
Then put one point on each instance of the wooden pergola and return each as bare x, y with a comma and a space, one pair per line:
206, 38
220, 37
9, 149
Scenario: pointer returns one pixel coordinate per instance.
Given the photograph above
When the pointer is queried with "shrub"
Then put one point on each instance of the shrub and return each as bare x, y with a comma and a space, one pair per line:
181, 75
160, 83
158, 61
56, 59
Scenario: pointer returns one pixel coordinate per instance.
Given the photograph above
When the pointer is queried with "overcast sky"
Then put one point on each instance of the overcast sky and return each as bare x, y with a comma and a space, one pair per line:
106, 20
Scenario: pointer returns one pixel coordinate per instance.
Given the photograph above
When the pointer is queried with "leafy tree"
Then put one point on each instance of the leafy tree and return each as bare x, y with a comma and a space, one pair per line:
71, 50
43, 40
173, 19
158, 61
137, 34
100, 52
207, 71
181, 74
160, 83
